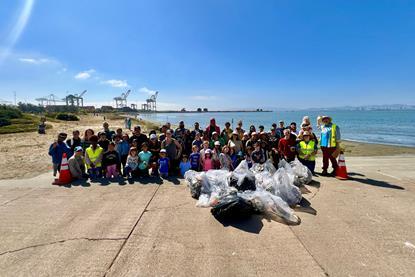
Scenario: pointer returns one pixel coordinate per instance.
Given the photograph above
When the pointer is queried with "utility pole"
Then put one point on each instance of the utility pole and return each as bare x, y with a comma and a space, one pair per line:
14, 92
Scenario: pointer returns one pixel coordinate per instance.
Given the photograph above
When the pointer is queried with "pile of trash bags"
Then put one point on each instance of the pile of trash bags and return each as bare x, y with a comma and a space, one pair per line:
246, 191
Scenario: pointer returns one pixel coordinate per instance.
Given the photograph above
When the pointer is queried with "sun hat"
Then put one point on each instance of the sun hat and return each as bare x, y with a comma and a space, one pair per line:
326, 116
78, 149
217, 143
163, 151
306, 133
153, 136
208, 151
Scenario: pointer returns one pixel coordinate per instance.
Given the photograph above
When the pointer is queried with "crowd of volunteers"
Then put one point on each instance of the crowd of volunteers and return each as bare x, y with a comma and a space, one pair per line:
166, 152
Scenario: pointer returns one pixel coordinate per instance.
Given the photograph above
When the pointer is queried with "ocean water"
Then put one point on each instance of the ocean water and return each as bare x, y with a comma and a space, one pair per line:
385, 127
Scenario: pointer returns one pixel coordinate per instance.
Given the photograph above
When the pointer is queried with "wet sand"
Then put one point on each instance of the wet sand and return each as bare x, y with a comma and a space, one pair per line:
25, 155
362, 149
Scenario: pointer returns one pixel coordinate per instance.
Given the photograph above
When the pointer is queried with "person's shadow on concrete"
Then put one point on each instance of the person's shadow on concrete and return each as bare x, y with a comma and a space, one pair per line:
174, 180
376, 183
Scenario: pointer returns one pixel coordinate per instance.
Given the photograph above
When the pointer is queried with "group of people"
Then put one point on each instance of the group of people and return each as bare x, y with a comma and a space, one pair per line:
167, 152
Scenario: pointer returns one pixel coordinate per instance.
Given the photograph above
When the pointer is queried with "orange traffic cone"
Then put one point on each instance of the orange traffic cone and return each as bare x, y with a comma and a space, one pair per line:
64, 173
341, 171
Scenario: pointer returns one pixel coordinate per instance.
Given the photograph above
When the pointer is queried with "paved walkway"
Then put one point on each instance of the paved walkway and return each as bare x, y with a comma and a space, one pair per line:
360, 227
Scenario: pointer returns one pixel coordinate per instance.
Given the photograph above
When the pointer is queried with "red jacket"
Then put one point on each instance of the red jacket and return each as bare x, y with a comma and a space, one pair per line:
207, 131
284, 148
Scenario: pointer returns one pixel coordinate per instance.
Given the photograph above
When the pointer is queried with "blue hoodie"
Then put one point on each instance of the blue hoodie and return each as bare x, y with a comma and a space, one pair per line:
123, 148
58, 151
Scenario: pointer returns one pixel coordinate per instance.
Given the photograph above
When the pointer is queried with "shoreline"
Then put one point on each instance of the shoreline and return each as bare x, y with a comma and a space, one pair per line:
379, 143
25, 154
155, 122
207, 112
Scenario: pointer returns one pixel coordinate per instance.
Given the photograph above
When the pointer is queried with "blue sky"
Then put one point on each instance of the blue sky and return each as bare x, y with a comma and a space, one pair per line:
218, 54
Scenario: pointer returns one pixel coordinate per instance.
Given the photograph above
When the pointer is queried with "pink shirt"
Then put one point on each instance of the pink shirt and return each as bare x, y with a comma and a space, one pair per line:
207, 164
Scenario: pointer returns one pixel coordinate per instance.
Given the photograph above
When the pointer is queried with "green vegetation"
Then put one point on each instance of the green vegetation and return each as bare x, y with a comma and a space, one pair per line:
12, 120
67, 117
30, 108
26, 123
8, 113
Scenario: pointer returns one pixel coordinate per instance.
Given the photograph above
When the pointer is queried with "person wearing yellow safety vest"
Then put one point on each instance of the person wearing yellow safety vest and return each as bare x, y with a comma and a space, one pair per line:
329, 142
93, 158
307, 150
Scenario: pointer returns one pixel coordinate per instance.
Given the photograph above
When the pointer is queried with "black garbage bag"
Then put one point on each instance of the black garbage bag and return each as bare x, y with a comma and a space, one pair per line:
247, 182
195, 191
233, 207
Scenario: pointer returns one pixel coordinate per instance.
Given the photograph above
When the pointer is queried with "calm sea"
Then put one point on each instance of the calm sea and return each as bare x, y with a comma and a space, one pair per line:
386, 127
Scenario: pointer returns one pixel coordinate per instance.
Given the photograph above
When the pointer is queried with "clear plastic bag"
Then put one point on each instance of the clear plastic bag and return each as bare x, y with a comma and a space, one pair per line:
245, 179
284, 188
194, 182
270, 205
304, 175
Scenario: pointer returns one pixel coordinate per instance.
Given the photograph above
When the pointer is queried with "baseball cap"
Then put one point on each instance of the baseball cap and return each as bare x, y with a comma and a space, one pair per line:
163, 151
153, 136
78, 149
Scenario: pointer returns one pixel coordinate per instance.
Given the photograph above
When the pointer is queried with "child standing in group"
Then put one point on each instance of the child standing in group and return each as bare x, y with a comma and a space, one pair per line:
195, 158
207, 162
111, 161
131, 165
57, 149
225, 160
164, 164
154, 147
123, 148
248, 156
144, 156
103, 141
258, 155
184, 165
198, 140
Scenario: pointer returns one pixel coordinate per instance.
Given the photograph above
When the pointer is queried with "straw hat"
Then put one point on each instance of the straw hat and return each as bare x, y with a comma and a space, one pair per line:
326, 117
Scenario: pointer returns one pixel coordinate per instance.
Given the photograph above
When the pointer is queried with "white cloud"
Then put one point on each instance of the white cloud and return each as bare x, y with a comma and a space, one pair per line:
116, 83
146, 91
83, 75
203, 97
34, 61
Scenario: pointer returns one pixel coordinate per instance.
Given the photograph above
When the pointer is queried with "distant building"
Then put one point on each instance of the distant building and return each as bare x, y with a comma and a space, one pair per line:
61, 109
107, 108
183, 110
89, 109
205, 110
199, 110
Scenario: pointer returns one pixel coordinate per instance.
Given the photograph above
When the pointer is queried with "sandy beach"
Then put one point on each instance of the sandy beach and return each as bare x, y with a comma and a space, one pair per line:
25, 155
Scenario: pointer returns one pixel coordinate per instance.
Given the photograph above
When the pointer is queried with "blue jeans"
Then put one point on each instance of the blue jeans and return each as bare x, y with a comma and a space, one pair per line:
94, 173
